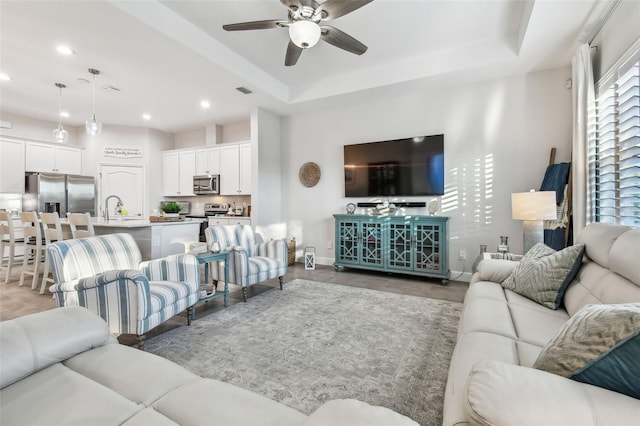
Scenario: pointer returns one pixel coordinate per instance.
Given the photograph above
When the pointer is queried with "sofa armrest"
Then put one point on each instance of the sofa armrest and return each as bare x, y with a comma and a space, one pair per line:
275, 249
494, 270
34, 342
175, 267
100, 280
503, 394
350, 412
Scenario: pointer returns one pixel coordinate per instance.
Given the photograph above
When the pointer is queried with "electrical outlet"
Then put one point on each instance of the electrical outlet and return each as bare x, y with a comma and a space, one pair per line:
462, 255
329, 244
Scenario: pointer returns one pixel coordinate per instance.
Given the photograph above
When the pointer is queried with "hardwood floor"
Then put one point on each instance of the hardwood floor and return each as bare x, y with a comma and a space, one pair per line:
17, 301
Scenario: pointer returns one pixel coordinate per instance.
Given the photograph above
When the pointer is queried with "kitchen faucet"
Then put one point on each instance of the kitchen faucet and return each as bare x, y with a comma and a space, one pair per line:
106, 206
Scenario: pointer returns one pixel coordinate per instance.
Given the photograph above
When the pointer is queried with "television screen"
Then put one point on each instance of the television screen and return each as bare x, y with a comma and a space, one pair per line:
401, 167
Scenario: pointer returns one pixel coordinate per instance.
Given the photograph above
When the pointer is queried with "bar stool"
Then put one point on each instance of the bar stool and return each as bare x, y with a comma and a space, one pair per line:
33, 247
84, 221
7, 241
52, 229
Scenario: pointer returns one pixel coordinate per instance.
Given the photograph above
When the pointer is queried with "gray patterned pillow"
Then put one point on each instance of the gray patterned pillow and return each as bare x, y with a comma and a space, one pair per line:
544, 274
599, 345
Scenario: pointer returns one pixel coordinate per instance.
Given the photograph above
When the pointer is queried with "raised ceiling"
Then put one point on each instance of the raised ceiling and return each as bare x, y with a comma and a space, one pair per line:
167, 56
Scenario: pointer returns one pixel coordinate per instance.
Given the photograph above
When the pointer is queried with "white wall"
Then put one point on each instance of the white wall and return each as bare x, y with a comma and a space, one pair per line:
498, 135
34, 129
194, 138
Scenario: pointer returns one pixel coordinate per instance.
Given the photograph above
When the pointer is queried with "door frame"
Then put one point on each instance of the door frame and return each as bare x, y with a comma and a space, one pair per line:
144, 185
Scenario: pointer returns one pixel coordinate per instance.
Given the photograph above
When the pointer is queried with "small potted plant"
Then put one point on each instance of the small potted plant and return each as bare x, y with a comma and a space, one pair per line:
171, 209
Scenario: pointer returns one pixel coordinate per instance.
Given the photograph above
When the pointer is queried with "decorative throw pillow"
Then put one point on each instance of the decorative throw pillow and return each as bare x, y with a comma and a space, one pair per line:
544, 274
599, 345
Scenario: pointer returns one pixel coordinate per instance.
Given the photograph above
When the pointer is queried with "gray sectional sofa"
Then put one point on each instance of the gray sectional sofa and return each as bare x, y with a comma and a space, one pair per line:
501, 334
63, 367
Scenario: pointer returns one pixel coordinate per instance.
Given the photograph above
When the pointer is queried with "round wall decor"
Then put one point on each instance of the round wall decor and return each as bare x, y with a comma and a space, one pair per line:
309, 174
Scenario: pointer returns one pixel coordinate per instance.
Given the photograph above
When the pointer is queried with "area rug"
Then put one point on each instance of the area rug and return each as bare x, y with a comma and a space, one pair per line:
313, 342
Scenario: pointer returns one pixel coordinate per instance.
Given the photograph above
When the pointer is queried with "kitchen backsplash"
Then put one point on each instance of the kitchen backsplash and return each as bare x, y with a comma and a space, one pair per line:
9, 202
197, 203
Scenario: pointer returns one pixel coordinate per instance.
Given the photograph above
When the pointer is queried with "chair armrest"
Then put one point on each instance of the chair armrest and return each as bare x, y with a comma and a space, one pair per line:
506, 394
275, 249
175, 267
100, 280
495, 270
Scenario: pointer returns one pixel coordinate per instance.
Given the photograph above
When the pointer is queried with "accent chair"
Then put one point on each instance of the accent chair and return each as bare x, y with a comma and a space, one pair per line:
105, 275
251, 260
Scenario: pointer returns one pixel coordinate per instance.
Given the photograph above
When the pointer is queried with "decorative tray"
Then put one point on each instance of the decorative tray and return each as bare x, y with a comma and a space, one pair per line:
165, 219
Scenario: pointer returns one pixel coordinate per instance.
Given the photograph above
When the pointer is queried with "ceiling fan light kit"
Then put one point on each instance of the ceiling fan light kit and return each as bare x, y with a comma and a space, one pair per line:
304, 34
306, 26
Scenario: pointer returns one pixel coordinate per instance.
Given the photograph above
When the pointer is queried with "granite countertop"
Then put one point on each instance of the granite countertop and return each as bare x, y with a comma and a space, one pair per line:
136, 223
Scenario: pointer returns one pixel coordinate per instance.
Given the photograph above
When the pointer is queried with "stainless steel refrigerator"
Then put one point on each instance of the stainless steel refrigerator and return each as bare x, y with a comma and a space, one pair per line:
50, 192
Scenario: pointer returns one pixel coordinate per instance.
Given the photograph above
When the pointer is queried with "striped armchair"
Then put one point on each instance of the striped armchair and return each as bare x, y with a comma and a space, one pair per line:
250, 260
104, 274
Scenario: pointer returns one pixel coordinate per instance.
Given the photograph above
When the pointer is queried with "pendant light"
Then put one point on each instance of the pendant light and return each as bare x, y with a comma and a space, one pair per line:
60, 135
93, 126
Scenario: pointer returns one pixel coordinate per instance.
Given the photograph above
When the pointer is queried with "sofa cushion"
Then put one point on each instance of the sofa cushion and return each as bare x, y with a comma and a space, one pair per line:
28, 347
600, 346
543, 274
349, 412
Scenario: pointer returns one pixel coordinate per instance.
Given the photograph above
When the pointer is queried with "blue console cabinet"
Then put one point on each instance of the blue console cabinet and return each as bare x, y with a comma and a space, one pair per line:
414, 245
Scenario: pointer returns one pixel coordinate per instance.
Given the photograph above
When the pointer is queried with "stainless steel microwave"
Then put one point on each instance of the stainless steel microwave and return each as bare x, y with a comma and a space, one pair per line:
206, 185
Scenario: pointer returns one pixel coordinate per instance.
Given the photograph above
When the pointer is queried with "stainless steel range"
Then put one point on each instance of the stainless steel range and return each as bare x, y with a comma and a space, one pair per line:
210, 209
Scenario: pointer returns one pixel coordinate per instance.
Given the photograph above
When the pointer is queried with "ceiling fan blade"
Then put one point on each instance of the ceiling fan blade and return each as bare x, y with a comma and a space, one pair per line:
293, 53
254, 25
332, 9
292, 4
342, 40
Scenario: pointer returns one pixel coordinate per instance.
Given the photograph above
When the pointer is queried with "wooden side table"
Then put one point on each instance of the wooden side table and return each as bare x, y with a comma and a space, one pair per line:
207, 258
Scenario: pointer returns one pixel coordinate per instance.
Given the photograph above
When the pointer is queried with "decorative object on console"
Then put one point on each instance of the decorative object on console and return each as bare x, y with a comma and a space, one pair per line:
351, 208
309, 174
483, 250
532, 208
599, 345
306, 26
92, 126
544, 274
504, 244
60, 135
434, 206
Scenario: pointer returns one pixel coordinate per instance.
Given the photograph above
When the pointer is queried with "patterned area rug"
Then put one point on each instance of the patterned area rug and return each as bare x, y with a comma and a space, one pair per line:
314, 342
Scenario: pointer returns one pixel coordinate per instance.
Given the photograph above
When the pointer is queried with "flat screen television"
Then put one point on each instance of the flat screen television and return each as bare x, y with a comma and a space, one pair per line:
401, 167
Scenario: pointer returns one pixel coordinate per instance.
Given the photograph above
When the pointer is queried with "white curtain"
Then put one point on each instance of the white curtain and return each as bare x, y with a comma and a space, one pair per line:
583, 100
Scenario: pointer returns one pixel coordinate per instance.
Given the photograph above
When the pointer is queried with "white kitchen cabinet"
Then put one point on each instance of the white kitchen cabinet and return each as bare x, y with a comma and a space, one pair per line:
178, 169
229, 220
235, 170
44, 157
208, 161
11, 166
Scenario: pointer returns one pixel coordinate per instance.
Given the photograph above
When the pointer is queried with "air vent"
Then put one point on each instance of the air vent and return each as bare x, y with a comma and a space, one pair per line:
109, 88
244, 90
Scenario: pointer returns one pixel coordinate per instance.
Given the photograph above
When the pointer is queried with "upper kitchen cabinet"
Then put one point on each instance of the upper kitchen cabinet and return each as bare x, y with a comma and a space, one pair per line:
178, 168
208, 161
235, 170
43, 157
11, 166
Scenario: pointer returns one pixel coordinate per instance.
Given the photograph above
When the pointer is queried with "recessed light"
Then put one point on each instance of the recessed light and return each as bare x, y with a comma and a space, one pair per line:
65, 50
4, 77
146, 117
205, 104
64, 114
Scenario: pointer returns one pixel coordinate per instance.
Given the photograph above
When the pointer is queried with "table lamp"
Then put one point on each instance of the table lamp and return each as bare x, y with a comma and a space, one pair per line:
532, 208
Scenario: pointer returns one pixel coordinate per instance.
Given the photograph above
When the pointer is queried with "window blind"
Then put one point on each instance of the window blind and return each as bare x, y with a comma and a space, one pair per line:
614, 145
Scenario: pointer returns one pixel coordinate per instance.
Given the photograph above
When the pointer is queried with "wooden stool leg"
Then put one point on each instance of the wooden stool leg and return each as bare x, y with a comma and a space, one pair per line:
281, 279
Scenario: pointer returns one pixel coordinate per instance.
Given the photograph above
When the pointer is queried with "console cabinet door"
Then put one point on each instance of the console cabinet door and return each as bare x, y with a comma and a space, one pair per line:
430, 246
12, 166
400, 244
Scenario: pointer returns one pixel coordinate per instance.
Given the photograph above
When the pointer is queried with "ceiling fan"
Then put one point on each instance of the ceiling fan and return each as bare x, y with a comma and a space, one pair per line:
306, 26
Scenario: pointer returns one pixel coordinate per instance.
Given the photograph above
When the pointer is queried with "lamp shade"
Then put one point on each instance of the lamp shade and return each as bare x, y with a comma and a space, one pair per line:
304, 34
533, 205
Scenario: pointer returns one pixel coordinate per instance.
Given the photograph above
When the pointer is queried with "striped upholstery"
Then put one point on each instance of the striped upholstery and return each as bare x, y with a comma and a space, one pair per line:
104, 274
249, 263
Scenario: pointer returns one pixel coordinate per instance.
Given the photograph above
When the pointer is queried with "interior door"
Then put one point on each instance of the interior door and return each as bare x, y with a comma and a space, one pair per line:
127, 182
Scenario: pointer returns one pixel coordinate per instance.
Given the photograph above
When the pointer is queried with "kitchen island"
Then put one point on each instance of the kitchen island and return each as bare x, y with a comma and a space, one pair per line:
155, 239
